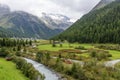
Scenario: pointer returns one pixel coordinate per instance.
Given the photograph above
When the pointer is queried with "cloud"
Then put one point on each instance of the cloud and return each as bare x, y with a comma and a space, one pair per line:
71, 8
78, 5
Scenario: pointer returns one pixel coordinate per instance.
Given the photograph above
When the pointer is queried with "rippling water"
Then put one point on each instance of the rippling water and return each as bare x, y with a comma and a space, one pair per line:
49, 75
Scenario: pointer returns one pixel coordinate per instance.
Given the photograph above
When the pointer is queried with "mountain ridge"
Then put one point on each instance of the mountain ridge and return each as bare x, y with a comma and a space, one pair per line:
24, 25
56, 21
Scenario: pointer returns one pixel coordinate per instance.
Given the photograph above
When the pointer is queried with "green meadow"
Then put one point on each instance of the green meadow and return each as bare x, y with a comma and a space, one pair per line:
64, 46
8, 71
115, 54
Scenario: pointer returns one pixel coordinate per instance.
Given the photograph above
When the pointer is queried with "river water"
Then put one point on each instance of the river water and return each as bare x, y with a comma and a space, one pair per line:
49, 75
111, 63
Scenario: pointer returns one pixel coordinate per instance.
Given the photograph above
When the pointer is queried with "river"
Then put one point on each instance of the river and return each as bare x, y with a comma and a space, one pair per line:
49, 75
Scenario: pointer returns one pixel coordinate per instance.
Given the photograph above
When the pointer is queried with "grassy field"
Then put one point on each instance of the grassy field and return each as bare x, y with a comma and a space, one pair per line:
115, 54
65, 46
8, 71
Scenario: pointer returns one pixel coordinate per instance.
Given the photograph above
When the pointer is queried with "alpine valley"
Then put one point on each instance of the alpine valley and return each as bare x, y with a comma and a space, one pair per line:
52, 47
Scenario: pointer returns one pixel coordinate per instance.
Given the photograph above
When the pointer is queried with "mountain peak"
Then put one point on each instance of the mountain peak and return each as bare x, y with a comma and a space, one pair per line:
56, 21
25, 25
56, 16
4, 9
4, 6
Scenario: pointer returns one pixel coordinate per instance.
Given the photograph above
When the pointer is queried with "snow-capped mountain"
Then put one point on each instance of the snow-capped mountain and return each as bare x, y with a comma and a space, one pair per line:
56, 21
23, 25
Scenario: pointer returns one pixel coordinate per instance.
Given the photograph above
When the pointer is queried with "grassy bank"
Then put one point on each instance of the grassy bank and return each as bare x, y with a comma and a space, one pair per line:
8, 71
115, 54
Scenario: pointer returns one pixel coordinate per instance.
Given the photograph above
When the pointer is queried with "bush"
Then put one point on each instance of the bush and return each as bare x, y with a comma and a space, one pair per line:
53, 45
81, 48
109, 47
100, 55
93, 54
4, 52
18, 53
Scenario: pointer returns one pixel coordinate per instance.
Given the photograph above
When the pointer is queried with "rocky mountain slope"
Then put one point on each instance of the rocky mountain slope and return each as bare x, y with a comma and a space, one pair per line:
24, 25
56, 21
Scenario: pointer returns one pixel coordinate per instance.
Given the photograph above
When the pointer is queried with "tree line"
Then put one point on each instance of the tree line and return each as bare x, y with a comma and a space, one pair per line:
7, 42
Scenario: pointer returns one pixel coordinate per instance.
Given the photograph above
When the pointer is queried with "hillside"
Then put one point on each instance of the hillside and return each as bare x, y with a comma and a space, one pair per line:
98, 26
22, 24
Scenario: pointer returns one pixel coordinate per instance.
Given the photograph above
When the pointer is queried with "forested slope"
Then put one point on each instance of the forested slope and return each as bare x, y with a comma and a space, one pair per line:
98, 26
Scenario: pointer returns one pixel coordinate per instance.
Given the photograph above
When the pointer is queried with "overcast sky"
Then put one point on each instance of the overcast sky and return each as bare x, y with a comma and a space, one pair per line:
71, 8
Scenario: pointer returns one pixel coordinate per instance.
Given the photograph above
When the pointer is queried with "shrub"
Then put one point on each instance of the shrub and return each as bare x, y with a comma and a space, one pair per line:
18, 53
4, 52
81, 48
100, 55
93, 54
109, 47
53, 45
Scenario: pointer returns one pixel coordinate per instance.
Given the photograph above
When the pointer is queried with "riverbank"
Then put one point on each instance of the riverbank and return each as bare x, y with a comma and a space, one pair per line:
8, 71
48, 73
